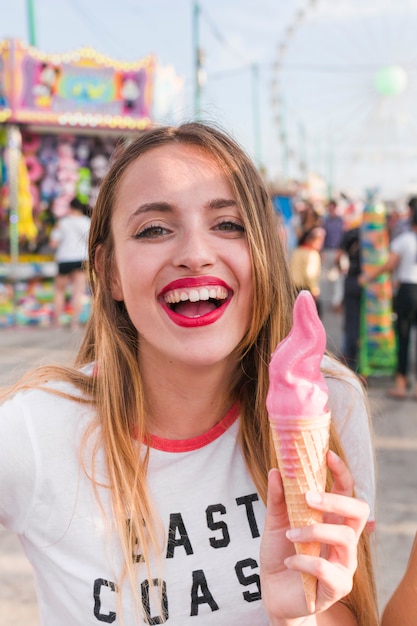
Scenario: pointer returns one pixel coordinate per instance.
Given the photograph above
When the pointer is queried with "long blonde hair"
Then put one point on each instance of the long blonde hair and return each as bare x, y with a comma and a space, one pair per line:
111, 342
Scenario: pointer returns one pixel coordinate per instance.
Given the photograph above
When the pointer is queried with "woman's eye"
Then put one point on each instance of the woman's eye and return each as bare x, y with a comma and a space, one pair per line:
231, 227
151, 232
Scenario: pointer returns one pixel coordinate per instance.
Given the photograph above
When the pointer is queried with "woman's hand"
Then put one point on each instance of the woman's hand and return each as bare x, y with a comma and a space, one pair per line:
344, 519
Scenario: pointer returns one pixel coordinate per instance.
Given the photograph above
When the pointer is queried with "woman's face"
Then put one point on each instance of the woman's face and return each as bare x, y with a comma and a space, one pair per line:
182, 263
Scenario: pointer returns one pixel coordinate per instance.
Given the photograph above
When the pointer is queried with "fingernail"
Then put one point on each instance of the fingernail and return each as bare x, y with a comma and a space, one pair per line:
313, 497
293, 533
333, 455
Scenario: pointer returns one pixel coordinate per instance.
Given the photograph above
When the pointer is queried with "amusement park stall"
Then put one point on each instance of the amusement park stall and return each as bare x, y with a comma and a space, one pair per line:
61, 117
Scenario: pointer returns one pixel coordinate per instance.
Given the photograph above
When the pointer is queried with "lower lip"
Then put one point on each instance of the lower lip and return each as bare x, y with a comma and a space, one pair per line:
195, 322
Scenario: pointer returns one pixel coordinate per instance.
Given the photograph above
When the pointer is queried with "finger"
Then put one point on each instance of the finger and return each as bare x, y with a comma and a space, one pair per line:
355, 512
343, 481
275, 545
334, 581
342, 539
276, 511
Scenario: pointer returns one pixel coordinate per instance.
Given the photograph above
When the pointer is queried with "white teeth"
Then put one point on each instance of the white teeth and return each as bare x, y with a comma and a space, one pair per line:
195, 295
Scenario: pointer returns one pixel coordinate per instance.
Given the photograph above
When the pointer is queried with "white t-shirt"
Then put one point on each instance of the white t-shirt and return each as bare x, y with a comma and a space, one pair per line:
405, 245
211, 514
71, 234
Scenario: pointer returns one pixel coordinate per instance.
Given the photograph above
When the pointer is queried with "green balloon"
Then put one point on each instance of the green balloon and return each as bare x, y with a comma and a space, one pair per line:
391, 80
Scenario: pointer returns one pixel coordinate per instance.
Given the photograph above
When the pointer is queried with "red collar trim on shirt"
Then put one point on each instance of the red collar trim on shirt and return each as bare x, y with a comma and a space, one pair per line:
187, 445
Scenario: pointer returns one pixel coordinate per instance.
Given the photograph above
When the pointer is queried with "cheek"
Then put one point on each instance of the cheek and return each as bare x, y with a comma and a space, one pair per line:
245, 276
245, 270
133, 277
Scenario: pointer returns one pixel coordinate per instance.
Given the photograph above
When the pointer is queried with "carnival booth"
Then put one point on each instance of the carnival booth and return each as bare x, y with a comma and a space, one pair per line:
61, 117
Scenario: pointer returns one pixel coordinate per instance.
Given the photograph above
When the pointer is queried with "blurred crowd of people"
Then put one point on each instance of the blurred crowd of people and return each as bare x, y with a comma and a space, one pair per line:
326, 254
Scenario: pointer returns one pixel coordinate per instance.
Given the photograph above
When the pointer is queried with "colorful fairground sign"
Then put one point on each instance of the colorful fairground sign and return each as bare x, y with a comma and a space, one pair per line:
5, 86
82, 89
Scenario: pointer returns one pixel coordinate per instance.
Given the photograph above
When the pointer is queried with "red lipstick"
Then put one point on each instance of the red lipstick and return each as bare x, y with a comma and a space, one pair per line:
205, 285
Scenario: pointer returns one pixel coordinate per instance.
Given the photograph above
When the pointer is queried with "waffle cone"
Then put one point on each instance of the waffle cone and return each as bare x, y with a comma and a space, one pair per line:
301, 447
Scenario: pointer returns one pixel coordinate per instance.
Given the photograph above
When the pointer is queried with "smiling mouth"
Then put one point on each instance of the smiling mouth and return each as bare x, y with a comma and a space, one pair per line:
197, 301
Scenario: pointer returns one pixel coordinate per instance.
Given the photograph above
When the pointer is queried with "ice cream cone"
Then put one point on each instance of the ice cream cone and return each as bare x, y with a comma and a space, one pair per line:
301, 446
297, 403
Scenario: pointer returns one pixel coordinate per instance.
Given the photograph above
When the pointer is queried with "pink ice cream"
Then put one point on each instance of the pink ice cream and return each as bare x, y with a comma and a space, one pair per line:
300, 421
297, 388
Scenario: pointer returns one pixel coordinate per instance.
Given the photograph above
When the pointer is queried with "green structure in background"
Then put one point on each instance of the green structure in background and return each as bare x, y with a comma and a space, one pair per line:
377, 352
30, 10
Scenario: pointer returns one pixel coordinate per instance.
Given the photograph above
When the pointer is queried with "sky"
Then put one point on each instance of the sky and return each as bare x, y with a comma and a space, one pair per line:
233, 35
292, 80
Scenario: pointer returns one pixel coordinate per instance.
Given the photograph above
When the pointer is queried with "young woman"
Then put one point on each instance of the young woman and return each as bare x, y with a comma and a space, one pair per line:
139, 481
305, 263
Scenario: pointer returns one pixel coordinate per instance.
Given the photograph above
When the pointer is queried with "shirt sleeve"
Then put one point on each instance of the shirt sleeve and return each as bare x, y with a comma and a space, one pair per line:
56, 234
397, 244
17, 466
351, 417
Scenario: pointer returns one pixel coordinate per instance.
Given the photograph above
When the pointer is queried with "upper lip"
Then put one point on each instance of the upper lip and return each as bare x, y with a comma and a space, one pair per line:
195, 288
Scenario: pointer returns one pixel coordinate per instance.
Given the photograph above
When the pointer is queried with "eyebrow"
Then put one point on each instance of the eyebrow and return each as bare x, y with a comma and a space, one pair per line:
147, 207
166, 207
221, 203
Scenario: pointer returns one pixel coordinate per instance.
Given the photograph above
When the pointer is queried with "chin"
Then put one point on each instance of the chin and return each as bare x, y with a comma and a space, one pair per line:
204, 357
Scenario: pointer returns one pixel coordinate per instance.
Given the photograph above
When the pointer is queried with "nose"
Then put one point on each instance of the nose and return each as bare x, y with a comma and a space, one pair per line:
195, 252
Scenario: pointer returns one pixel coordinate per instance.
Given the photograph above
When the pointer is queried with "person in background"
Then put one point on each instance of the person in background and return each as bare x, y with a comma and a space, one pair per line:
352, 292
399, 220
305, 263
333, 225
403, 260
143, 480
69, 240
309, 218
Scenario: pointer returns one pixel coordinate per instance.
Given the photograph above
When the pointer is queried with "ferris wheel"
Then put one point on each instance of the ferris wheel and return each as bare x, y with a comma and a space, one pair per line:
344, 95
